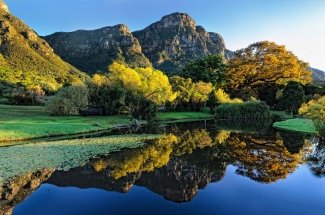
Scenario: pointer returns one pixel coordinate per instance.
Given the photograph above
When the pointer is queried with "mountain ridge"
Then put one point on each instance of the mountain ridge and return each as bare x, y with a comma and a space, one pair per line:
173, 41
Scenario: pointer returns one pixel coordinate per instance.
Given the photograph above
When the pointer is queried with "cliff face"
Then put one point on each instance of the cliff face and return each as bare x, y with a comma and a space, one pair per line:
176, 40
93, 51
167, 44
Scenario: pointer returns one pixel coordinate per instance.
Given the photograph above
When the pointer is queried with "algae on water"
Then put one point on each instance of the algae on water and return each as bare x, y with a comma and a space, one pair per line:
63, 155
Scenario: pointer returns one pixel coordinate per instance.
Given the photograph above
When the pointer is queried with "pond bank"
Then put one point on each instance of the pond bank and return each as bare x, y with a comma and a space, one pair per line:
19, 123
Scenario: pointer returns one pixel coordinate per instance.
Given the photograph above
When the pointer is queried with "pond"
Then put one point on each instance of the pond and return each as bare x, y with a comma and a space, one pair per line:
188, 168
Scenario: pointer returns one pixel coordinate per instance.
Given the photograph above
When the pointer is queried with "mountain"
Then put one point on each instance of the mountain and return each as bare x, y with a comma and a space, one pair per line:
168, 44
176, 40
93, 51
27, 59
318, 75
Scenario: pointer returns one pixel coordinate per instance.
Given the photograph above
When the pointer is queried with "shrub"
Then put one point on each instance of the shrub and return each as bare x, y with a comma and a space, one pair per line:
70, 100
315, 110
31, 95
243, 111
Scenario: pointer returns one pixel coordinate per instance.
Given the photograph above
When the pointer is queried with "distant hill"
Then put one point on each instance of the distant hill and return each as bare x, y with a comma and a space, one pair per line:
167, 44
26, 59
318, 75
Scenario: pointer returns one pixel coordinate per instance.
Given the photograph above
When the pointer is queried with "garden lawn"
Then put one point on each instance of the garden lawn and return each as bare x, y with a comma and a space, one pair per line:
25, 122
297, 125
29, 122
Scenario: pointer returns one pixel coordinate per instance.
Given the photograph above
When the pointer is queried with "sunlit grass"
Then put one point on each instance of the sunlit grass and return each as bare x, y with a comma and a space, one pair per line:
298, 125
26, 122
22, 122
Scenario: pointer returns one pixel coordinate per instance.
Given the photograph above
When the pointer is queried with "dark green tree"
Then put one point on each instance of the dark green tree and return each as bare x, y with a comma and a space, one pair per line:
293, 97
212, 69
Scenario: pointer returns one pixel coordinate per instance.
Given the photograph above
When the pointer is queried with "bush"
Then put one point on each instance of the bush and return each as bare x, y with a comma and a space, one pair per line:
31, 95
72, 100
243, 111
315, 110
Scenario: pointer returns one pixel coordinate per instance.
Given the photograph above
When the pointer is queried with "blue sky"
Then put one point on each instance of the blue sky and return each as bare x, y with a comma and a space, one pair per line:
298, 24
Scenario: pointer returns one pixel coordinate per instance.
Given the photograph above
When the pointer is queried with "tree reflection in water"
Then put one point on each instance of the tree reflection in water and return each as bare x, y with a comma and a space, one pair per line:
177, 165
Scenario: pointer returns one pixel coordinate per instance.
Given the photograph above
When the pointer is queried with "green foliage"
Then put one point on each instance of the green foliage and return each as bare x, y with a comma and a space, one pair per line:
315, 110
184, 88
27, 60
103, 94
243, 111
212, 69
292, 98
72, 100
146, 88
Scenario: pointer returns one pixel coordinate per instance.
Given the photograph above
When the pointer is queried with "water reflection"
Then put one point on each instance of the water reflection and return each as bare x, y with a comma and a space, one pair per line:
179, 164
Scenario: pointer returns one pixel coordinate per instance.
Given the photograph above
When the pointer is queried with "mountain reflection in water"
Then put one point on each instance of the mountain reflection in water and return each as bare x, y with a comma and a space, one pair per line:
181, 163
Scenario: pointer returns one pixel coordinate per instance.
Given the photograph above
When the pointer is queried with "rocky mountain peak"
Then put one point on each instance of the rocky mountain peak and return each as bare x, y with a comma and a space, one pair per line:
178, 20
3, 6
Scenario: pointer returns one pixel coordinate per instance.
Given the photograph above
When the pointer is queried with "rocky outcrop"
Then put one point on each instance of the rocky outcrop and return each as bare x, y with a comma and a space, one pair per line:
168, 44
93, 51
176, 40
3, 6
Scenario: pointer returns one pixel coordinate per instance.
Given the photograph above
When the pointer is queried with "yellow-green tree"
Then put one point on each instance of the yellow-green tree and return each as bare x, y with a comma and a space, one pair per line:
184, 88
315, 110
201, 94
265, 63
146, 88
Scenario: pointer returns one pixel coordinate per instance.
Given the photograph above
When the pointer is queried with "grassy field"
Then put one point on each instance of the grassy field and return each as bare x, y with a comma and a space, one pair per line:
297, 125
22, 122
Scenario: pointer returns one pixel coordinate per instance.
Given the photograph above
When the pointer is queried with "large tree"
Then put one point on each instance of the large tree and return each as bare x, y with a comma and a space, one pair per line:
212, 69
146, 88
265, 63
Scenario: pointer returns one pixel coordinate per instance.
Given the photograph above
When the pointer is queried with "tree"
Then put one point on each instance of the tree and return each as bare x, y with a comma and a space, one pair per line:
184, 88
292, 98
146, 88
201, 94
265, 63
104, 94
315, 110
70, 100
212, 69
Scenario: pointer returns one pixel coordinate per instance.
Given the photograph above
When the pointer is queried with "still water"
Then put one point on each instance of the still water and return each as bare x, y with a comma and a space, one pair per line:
194, 168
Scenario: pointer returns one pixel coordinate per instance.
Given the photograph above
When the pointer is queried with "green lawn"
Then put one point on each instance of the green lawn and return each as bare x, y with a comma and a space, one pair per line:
297, 124
21, 122
184, 116
25, 122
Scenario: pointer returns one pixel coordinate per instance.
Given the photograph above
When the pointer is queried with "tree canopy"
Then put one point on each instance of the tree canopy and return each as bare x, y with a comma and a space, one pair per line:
211, 68
266, 63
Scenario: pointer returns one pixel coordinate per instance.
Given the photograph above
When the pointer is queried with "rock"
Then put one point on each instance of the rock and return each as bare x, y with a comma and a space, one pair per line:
3, 6
94, 50
175, 40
